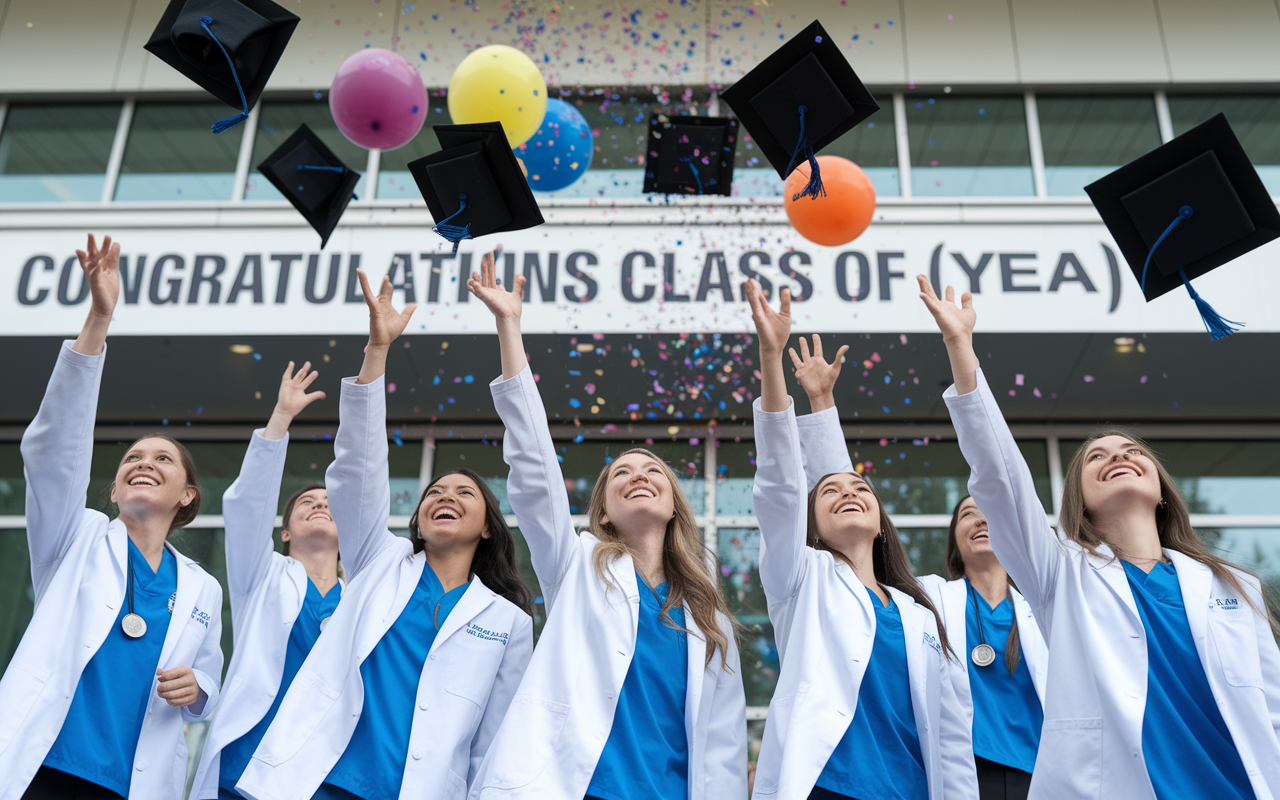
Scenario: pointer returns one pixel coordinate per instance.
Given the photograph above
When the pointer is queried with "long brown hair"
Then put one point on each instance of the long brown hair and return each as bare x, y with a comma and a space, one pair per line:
955, 571
1173, 520
685, 560
888, 558
494, 562
187, 513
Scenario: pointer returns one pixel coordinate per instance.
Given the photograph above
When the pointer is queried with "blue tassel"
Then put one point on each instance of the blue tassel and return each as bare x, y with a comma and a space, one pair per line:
690, 161
814, 187
230, 122
454, 233
1218, 326
328, 169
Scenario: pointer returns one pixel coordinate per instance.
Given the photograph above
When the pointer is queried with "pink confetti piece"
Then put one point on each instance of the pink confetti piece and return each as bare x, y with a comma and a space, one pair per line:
1018, 379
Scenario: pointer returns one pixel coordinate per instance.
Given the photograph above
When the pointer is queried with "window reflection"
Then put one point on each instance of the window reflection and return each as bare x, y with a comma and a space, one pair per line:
1087, 137
963, 146
394, 179
277, 121
1254, 118
56, 153
172, 155
871, 145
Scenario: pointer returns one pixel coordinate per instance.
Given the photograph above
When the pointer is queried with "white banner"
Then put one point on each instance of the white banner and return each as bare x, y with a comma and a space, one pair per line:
603, 279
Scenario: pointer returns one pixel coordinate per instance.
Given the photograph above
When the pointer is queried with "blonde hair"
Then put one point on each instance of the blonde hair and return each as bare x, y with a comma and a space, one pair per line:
684, 560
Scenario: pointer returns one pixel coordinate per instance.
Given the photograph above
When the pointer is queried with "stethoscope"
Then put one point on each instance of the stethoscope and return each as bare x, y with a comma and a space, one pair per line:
984, 655
134, 626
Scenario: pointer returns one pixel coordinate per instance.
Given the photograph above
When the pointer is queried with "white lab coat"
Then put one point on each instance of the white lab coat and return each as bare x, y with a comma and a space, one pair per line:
825, 627
1091, 744
79, 560
556, 728
470, 674
824, 452
267, 592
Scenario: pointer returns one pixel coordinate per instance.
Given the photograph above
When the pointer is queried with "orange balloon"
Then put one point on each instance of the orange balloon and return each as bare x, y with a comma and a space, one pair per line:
843, 214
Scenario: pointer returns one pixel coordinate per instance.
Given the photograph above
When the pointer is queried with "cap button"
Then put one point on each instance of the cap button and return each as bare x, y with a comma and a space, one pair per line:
1185, 212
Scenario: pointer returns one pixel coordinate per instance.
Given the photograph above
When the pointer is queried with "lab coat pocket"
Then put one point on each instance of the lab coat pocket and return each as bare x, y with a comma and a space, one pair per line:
308, 701
19, 690
1235, 638
1073, 756
456, 788
473, 663
540, 723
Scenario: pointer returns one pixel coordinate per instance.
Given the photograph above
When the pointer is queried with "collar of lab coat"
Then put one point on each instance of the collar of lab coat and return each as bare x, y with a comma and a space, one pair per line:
1196, 582
475, 599
1108, 567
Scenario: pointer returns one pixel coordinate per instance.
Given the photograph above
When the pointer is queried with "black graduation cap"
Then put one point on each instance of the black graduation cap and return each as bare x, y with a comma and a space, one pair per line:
315, 180
690, 155
800, 99
474, 185
1187, 207
228, 47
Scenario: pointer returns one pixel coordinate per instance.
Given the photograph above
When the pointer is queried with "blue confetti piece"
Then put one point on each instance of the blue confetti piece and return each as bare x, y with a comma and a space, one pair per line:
885, 409
257, 356
469, 379
575, 402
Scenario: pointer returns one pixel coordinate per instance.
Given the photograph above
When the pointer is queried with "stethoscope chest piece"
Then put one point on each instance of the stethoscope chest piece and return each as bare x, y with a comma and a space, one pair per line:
134, 625
984, 655
324, 623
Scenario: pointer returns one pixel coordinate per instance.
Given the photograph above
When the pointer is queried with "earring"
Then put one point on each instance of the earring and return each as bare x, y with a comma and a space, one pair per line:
1162, 502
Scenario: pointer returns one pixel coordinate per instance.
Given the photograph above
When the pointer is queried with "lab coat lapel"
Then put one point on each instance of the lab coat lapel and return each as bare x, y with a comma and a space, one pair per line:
1196, 582
1109, 568
955, 596
475, 599
190, 582
1032, 650
918, 673
118, 539
697, 648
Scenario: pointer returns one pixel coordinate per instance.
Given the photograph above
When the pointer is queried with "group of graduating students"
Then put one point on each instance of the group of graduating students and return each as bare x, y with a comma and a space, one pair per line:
1119, 658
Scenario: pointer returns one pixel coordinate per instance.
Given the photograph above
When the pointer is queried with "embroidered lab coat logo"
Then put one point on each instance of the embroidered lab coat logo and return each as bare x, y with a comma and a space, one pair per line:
1224, 604
486, 634
933, 642
200, 616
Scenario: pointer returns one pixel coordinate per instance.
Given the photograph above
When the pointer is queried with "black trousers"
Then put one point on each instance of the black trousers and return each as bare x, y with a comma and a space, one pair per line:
52, 784
1000, 782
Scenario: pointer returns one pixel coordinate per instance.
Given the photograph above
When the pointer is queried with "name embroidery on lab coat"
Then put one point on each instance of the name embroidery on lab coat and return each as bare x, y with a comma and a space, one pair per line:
1225, 604
200, 616
933, 642
486, 634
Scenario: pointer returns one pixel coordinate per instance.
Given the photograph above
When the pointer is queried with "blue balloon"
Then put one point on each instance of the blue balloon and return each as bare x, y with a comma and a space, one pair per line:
560, 151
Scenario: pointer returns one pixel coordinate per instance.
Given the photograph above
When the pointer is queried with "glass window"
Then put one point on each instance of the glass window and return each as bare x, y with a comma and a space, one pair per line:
1257, 550
278, 121
172, 155
1254, 118
13, 484
1085, 138
56, 153
394, 180
872, 145
17, 597
963, 146
735, 476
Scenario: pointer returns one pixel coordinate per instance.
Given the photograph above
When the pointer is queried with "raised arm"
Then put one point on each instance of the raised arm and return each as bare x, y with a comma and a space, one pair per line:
358, 481
778, 492
1001, 482
535, 486
57, 447
249, 505
822, 445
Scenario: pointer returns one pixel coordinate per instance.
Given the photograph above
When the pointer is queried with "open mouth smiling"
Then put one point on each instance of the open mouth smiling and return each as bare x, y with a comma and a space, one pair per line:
1122, 469
850, 507
143, 480
444, 513
641, 491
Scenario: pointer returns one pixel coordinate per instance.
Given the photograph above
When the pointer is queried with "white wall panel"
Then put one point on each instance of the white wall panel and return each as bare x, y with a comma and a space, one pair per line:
1227, 40
1089, 41
328, 33
868, 31
958, 43
58, 46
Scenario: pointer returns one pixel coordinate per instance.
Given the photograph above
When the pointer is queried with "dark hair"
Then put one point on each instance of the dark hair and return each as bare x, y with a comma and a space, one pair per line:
495, 560
187, 513
1173, 520
955, 571
288, 509
888, 557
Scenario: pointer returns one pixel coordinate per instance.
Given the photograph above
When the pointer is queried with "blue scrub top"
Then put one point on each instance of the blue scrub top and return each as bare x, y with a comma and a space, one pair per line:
1007, 715
100, 734
879, 755
372, 766
647, 754
1188, 749
302, 637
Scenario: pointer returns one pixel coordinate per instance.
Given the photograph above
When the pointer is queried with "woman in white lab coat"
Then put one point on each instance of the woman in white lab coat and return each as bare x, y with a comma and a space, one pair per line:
1002, 659
279, 602
865, 705
123, 646
1164, 677
402, 694
635, 691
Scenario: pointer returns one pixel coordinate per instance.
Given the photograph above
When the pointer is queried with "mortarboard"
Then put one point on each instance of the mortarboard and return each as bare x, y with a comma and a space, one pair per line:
313, 179
798, 100
228, 47
474, 185
1187, 207
690, 155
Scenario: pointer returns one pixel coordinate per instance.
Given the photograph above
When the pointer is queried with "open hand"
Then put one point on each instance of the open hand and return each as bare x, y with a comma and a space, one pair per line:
505, 305
816, 376
178, 686
293, 390
385, 323
955, 322
773, 328
102, 271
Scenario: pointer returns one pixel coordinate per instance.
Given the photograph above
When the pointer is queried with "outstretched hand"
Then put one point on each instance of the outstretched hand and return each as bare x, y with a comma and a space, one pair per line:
293, 389
955, 322
102, 272
773, 328
504, 304
385, 323
816, 376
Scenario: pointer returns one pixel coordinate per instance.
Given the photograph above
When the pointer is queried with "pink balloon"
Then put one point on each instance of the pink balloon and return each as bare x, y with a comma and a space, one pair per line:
377, 99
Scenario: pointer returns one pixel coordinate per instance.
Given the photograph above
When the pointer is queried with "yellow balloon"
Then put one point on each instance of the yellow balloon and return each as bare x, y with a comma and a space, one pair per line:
503, 84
